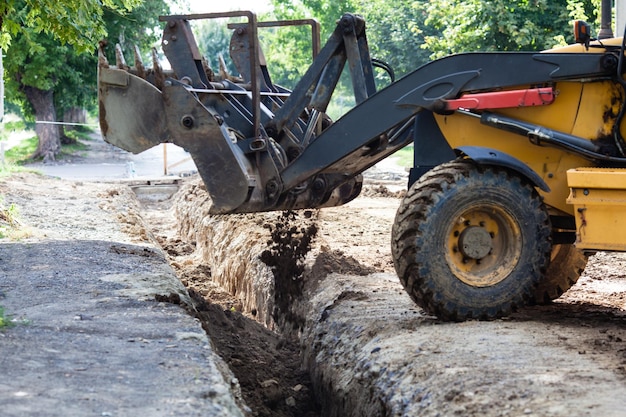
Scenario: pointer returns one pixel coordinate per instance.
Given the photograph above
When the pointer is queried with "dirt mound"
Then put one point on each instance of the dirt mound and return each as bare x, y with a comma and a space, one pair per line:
380, 190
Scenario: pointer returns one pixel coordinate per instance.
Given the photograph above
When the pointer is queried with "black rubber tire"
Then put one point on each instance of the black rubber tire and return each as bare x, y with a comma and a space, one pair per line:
566, 265
445, 280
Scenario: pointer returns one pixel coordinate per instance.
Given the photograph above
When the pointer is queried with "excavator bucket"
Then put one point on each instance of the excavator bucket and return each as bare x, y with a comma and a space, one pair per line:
228, 123
259, 146
140, 109
137, 134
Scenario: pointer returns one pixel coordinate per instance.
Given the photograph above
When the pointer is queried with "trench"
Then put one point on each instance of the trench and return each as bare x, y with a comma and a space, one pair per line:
250, 277
223, 262
346, 340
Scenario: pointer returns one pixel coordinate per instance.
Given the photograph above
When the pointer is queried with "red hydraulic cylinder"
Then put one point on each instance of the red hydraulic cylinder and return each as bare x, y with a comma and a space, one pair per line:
502, 99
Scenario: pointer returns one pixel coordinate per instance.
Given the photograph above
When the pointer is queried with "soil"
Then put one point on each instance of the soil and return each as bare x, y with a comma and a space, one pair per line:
351, 308
267, 365
564, 359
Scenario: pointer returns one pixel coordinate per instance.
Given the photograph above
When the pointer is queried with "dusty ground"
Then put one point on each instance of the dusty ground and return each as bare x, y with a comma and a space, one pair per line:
370, 351
85, 289
366, 350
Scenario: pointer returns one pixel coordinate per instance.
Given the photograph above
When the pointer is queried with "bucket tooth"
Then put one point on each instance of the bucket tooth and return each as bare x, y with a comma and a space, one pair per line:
102, 59
159, 77
224, 75
208, 71
119, 58
141, 71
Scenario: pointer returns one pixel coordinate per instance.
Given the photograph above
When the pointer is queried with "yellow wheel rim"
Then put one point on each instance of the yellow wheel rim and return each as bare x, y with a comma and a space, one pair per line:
484, 244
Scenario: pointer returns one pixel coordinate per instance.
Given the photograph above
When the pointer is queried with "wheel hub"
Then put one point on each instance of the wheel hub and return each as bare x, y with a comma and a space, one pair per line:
483, 244
475, 242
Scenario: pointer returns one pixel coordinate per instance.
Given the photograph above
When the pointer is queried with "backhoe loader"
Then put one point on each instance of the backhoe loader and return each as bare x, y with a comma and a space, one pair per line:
519, 156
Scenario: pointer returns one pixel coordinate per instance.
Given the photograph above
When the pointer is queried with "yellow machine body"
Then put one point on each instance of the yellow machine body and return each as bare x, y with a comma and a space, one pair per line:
587, 110
598, 196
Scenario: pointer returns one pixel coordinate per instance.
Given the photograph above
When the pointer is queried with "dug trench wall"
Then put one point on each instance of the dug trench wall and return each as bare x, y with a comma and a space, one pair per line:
230, 245
371, 352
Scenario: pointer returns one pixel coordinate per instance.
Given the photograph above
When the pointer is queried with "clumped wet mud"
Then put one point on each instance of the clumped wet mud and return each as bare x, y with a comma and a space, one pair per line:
290, 242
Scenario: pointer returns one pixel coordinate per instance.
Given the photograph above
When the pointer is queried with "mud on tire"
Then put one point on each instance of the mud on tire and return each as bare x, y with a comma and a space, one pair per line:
470, 241
567, 263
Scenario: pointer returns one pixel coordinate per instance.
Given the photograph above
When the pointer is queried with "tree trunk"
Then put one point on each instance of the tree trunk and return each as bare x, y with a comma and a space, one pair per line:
72, 115
48, 133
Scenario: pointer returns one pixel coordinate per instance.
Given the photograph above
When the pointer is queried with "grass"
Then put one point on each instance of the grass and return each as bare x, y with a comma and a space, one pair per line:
19, 154
80, 133
77, 145
404, 157
9, 127
5, 321
9, 168
8, 321
10, 225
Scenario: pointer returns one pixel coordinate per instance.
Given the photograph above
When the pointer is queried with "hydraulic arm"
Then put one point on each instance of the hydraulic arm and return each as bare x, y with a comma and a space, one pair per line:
519, 156
258, 146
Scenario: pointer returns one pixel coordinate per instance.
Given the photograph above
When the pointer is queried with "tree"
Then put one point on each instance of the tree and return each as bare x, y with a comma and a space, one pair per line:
30, 83
503, 25
288, 50
51, 62
76, 22
76, 89
395, 32
408, 33
213, 37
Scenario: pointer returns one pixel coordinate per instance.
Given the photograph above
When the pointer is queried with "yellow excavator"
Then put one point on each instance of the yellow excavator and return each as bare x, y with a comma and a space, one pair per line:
520, 158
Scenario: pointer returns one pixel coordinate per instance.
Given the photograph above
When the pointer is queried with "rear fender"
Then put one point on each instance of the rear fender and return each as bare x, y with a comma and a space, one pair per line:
487, 156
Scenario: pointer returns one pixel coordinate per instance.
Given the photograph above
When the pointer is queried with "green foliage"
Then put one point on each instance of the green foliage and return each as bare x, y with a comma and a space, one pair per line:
213, 37
9, 127
78, 23
4, 320
19, 154
139, 27
7, 321
288, 49
408, 33
28, 64
396, 32
9, 222
69, 71
502, 25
